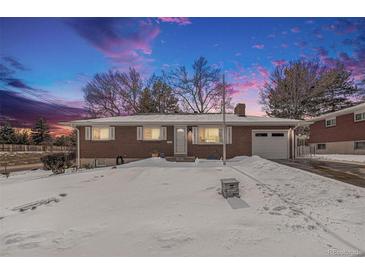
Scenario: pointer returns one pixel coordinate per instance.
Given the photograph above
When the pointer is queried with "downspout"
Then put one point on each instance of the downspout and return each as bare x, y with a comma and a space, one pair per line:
78, 148
292, 136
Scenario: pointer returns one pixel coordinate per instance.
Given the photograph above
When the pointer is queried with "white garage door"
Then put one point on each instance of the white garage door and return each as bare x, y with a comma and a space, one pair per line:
270, 144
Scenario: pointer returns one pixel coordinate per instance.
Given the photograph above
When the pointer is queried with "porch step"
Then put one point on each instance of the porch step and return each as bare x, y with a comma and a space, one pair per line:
181, 159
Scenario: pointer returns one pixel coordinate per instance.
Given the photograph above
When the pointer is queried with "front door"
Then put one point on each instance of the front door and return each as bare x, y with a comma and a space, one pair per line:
180, 140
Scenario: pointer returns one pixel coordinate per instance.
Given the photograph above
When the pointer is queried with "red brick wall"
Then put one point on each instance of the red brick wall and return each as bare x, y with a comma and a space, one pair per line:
126, 144
346, 129
241, 143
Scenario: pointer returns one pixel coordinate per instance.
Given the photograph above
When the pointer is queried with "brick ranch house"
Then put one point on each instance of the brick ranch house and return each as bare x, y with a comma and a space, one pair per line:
341, 132
197, 135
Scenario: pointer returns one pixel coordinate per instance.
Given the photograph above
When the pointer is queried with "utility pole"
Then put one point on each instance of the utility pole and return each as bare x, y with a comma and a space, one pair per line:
224, 121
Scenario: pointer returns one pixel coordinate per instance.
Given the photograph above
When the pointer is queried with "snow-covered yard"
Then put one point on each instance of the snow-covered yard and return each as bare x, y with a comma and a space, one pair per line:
341, 157
158, 208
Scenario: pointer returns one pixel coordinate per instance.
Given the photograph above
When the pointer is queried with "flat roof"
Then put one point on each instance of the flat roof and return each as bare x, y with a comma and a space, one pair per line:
184, 119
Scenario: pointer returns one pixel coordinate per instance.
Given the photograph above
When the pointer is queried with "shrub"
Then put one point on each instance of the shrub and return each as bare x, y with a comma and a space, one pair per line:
58, 162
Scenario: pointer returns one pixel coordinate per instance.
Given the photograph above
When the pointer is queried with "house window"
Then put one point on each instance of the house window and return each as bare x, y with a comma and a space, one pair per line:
101, 133
151, 133
359, 117
359, 145
277, 134
261, 134
331, 122
210, 135
321, 146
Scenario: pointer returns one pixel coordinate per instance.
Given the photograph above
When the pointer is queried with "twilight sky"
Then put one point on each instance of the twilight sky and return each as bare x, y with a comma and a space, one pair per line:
44, 62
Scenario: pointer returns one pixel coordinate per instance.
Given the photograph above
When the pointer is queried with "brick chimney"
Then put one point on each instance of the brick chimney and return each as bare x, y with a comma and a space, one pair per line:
240, 109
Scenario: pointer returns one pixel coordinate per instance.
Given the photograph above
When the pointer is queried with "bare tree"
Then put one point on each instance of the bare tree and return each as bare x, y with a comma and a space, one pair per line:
113, 93
131, 88
200, 92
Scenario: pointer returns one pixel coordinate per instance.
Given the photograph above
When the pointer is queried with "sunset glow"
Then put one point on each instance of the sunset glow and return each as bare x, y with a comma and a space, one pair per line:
47, 61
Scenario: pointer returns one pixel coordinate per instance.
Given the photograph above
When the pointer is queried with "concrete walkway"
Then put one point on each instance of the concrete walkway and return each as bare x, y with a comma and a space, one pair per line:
348, 173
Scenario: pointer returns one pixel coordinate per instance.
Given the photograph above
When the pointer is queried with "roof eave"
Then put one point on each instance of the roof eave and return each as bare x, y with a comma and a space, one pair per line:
192, 123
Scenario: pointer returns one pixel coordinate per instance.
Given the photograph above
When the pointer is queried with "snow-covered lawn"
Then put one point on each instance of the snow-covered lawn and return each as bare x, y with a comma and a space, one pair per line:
341, 157
158, 208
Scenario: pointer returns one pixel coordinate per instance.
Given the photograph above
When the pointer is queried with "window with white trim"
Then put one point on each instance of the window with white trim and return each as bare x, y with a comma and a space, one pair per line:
210, 135
101, 133
331, 122
359, 145
359, 116
151, 133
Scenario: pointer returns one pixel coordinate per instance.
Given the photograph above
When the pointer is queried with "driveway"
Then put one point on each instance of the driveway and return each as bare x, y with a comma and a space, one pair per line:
348, 173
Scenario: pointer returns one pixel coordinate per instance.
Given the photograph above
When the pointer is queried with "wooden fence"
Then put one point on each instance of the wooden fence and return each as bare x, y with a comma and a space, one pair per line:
32, 148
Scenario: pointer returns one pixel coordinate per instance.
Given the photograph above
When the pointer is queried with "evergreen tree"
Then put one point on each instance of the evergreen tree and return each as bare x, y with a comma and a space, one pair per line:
158, 97
40, 132
336, 90
303, 89
165, 100
146, 102
22, 137
7, 134
66, 140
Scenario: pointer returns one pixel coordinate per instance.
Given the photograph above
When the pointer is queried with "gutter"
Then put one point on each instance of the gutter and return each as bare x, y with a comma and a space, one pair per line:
170, 123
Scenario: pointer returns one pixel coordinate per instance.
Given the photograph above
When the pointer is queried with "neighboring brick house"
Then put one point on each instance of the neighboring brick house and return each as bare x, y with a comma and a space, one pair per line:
340, 132
196, 135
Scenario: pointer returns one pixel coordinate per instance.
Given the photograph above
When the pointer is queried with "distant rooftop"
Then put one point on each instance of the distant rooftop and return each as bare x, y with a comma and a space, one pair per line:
188, 119
359, 107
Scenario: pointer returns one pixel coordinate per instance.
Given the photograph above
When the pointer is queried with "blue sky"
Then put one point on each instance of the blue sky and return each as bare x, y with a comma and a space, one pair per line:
57, 56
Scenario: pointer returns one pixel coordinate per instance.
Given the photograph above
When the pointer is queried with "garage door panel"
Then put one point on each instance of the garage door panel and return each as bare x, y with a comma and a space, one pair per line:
270, 144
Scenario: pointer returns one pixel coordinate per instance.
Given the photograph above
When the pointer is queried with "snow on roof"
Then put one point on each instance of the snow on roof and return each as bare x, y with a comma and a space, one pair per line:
188, 119
359, 107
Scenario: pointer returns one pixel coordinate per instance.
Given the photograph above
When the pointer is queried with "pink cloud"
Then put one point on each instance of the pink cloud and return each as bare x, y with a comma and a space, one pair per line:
317, 33
354, 63
263, 71
247, 80
284, 45
258, 46
301, 44
295, 29
254, 83
345, 26
177, 20
125, 41
279, 62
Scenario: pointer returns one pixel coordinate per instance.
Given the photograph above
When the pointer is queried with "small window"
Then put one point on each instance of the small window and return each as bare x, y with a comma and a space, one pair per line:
210, 135
261, 134
359, 117
321, 146
359, 145
277, 134
331, 122
151, 133
100, 133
